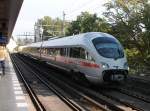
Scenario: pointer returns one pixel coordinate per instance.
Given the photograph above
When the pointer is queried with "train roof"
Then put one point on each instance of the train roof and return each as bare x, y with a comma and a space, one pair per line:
80, 39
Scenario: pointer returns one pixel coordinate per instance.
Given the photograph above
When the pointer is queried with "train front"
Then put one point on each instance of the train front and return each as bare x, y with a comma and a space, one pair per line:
114, 66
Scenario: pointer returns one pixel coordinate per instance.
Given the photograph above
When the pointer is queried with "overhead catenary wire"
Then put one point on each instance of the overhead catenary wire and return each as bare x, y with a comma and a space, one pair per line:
80, 6
90, 4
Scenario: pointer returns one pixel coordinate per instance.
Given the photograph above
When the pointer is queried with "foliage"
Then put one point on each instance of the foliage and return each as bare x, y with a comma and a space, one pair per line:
51, 27
87, 22
130, 21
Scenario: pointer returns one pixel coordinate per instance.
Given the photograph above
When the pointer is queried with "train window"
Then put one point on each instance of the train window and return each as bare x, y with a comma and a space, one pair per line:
63, 51
39, 50
67, 51
77, 52
82, 53
43, 51
46, 51
89, 57
57, 51
51, 51
108, 47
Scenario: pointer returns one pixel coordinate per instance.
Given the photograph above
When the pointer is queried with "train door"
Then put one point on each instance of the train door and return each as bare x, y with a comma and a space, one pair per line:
87, 64
61, 57
65, 56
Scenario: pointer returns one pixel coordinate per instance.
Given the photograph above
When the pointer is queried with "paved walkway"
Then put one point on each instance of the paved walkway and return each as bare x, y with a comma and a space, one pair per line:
12, 97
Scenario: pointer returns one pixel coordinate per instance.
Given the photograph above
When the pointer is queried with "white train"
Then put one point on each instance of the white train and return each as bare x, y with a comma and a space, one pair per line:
98, 56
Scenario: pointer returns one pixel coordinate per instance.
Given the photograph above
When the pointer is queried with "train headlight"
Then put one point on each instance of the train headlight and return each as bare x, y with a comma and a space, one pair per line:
126, 65
105, 66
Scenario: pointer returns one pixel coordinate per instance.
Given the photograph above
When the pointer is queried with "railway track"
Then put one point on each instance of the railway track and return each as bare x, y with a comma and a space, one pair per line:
133, 94
141, 79
143, 82
126, 89
38, 105
71, 104
111, 99
85, 100
138, 85
127, 99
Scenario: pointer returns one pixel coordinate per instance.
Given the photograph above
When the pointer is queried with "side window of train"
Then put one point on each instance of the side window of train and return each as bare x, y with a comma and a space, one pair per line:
46, 51
67, 52
51, 51
41, 50
77, 52
63, 51
57, 51
82, 53
89, 57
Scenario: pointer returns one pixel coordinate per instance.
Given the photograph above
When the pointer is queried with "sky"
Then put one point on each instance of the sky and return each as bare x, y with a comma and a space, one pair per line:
35, 9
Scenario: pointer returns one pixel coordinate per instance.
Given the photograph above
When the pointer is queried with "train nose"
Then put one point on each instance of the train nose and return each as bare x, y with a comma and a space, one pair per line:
114, 75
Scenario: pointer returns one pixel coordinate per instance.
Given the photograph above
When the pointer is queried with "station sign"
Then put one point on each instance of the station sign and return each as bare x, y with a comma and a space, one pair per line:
3, 40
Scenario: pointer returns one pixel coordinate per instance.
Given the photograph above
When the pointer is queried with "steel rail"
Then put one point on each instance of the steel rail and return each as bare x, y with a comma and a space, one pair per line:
34, 98
83, 95
70, 103
132, 94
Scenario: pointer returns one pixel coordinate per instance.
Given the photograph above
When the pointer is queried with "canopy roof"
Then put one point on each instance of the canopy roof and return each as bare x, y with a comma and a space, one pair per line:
9, 10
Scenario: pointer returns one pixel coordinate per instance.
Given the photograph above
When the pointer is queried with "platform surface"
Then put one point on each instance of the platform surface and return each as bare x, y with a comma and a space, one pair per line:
12, 97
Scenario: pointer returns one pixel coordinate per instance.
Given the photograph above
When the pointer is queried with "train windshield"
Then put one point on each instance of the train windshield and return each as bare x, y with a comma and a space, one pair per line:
108, 47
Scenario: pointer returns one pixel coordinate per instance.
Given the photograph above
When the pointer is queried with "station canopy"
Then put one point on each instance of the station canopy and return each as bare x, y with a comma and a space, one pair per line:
9, 10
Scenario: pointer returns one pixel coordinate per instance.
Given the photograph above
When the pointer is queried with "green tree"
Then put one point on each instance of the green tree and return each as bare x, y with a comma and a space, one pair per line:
51, 27
47, 24
87, 22
130, 22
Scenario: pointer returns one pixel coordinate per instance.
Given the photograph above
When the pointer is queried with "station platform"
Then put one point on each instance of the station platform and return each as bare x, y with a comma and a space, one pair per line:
13, 96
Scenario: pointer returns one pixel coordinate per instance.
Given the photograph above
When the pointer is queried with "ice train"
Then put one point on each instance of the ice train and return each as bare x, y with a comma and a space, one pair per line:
98, 56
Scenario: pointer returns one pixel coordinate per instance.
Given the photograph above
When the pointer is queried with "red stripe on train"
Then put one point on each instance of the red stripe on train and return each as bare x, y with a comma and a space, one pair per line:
92, 65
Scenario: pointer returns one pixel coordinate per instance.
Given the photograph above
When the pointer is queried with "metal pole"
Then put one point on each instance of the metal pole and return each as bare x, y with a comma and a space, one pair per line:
63, 26
35, 30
